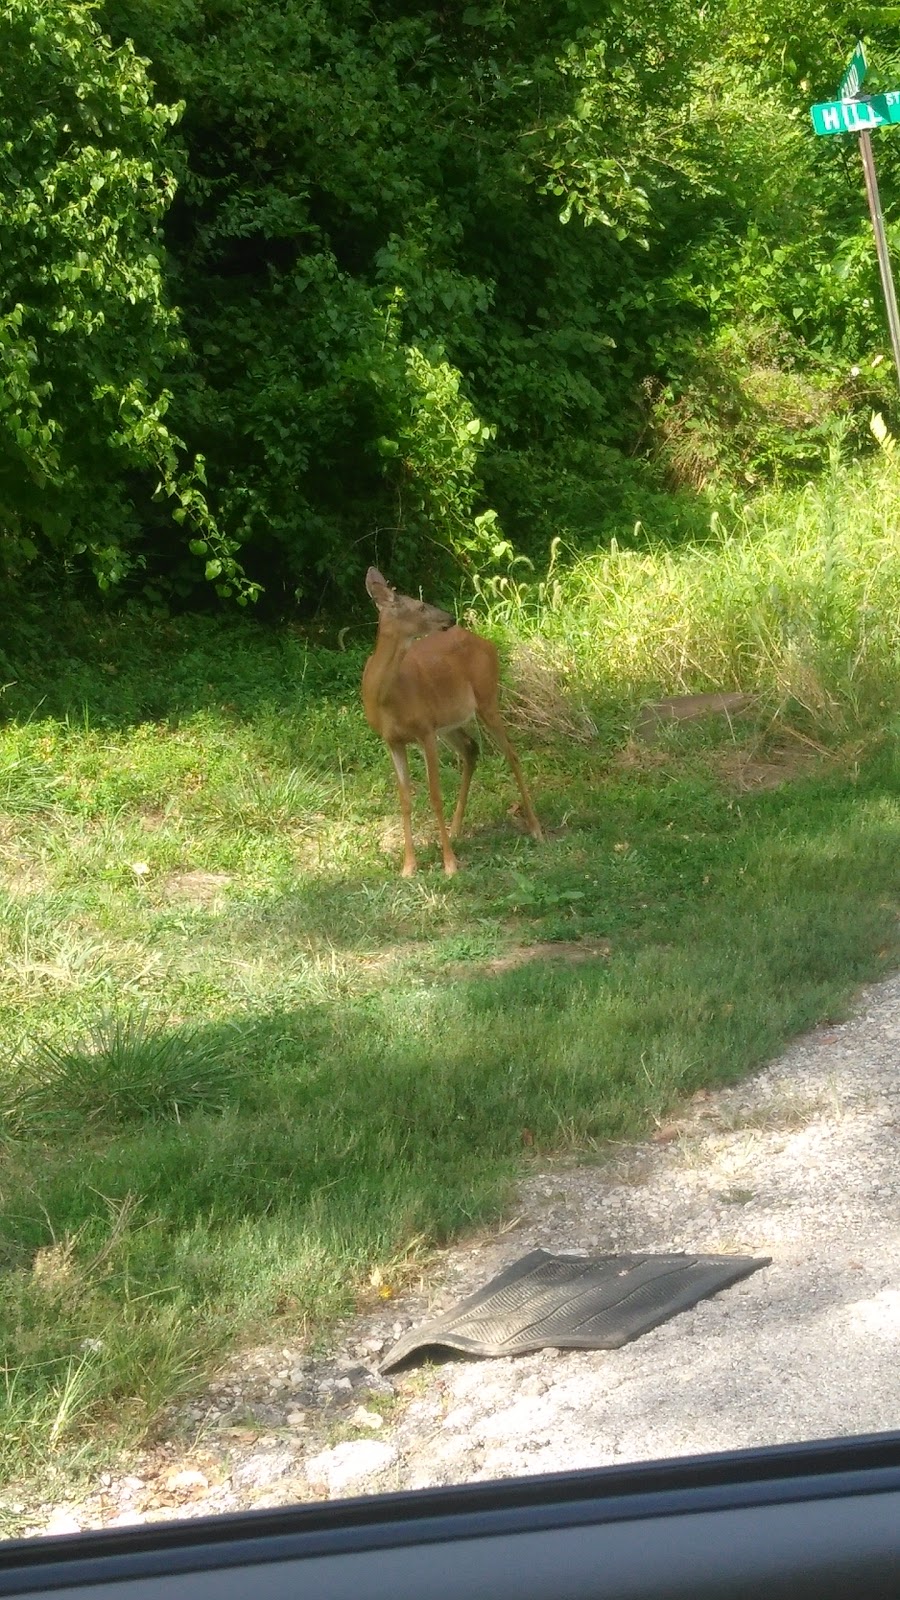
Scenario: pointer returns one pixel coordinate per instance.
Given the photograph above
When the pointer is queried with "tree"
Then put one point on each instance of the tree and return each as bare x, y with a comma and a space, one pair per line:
87, 334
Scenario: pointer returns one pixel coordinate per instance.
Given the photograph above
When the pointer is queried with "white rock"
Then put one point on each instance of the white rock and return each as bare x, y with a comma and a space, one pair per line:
187, 1479
460, 1417
263, 1468
362, 1418
62, 1522
346, 1463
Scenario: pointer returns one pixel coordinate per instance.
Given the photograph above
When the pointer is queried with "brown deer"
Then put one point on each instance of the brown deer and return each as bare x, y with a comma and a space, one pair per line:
425, 678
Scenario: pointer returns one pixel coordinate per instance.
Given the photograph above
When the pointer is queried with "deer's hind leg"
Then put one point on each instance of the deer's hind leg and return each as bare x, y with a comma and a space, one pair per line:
489, 715
467, 750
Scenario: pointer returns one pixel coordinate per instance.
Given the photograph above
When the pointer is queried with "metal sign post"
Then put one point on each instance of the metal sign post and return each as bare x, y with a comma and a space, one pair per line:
853, 114
881, 246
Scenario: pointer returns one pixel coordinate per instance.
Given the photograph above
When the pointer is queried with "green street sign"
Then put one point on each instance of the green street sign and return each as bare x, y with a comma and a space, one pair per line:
852, 81
856, 116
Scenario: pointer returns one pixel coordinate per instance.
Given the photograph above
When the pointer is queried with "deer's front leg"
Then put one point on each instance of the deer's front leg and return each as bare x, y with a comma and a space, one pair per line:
401, 767
429, 745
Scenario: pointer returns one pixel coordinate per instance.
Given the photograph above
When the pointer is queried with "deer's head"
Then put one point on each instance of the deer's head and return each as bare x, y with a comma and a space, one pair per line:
401, 614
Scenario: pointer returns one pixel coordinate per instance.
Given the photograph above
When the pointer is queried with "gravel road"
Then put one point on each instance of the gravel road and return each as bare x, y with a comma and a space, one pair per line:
798, 1163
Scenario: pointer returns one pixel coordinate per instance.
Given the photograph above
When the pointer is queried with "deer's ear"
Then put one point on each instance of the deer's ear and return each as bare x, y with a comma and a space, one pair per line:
378, 589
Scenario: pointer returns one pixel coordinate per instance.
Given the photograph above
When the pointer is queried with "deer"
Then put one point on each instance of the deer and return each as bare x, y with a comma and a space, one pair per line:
426, 678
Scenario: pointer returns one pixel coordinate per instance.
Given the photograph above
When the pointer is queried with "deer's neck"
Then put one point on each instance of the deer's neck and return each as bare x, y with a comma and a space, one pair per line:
385, 662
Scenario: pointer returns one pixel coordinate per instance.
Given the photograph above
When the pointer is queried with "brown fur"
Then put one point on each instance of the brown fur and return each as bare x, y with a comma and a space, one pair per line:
425, 678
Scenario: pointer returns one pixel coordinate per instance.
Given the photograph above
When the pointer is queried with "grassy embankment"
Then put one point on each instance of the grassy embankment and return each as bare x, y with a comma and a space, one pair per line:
245, 1064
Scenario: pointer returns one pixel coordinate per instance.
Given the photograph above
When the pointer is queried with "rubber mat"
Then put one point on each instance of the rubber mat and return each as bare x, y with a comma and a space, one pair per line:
574, 1303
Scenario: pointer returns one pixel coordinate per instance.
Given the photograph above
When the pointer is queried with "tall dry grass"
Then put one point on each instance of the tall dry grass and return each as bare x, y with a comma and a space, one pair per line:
792, 597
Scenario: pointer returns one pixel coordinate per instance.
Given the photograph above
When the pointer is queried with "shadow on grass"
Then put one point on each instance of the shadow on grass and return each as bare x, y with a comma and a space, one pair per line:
117, 668
354, 1130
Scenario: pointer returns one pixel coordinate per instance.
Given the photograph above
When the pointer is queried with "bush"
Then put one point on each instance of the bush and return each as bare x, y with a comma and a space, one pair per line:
88, 334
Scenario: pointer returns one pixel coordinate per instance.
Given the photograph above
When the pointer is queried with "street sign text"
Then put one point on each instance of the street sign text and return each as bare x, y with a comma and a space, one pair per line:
852, 81
856, 116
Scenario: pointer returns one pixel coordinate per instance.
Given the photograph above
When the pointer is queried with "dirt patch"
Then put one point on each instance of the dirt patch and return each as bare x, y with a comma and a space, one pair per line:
390, 836
20, 875
200, 888
392, 955
637, 755
743, 770
568, 952
22, 880
152, 818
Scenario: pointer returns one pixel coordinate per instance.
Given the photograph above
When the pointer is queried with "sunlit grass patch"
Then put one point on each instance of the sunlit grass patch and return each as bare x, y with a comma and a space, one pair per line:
793, 597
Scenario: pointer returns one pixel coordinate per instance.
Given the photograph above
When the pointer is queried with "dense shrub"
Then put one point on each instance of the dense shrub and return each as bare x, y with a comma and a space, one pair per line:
392, 272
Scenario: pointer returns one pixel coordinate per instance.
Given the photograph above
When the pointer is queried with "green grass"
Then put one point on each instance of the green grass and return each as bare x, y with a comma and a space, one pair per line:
795, 598
246, 1064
